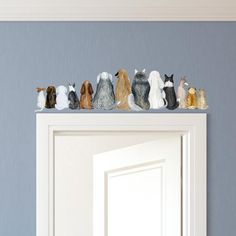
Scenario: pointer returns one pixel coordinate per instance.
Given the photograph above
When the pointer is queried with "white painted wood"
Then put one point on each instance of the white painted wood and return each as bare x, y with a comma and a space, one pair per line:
137, 189
192, 127
117, 10
73, 174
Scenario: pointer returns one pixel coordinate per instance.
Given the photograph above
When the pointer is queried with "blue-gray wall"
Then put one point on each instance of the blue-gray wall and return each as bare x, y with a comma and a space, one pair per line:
39, 54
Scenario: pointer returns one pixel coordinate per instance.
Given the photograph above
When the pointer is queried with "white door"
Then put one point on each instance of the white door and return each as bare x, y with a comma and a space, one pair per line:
137, 189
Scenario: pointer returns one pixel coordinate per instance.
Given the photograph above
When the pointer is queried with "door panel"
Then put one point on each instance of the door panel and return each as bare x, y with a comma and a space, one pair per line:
137, 189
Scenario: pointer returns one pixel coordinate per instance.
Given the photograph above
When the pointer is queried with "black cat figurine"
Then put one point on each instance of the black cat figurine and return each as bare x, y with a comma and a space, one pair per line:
73, 98
141, 89
169, 90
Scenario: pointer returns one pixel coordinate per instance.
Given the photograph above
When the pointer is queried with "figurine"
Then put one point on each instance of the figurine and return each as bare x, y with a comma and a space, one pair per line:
73, 98
62, 101
169, 89
202, 102
141, 89
104, 97
156, 95
182, 93
86, 93
123, 89
51, 97
192, 98
41, 100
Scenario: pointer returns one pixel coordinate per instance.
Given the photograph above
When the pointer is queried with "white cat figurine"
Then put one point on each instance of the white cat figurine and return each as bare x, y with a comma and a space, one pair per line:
62, 99
41, 100
156, 95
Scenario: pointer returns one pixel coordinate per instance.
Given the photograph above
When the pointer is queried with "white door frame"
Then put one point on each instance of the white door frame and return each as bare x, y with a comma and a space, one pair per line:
194, 174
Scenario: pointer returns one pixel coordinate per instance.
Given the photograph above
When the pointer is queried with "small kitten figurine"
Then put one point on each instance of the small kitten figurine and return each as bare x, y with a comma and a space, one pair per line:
104, 97
51, 97
192, 98
73, 98
41, 100
202, 102
169, 89
141, 89
61, 100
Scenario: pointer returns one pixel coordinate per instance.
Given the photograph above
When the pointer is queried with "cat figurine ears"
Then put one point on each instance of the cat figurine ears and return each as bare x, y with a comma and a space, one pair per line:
136, 71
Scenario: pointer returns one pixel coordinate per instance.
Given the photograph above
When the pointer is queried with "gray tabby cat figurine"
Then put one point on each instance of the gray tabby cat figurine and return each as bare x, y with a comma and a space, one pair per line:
169, 89
104, 97
141, 89
73, 98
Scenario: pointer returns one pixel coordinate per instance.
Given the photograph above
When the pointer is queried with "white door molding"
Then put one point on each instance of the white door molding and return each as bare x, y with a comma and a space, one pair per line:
117, 10
192, 128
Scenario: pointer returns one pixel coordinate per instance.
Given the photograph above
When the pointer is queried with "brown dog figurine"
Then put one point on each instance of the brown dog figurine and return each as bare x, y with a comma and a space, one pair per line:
123, 89
51, 97
86, 93
192, 98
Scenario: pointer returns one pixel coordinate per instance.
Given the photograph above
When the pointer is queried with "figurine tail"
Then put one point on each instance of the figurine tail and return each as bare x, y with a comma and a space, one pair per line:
132, 104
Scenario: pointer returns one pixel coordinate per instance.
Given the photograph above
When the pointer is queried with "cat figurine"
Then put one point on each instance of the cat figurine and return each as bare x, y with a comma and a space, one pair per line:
169, 89
141, 89
73, 98
182, 93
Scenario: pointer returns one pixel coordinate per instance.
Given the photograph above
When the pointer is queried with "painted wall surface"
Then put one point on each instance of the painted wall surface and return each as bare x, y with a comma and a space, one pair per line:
39, 54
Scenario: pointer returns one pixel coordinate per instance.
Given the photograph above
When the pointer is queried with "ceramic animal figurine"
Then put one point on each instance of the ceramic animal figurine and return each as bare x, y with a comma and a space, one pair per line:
202, 102
182, 93
169, 89
104, 97
141, 89
157, 96
62, 101
51, 97
41, 100
86, 93
73, 98
123, 89
192, 98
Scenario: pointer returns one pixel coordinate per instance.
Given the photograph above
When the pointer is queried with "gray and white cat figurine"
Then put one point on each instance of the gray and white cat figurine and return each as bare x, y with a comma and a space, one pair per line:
73, 98
104, 97
141, 89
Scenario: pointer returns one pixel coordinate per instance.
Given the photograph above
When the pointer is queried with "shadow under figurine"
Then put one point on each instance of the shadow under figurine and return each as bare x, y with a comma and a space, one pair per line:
86, 93
169, 89
123, 89
51, 97
104, 97
141, 89
73, 98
